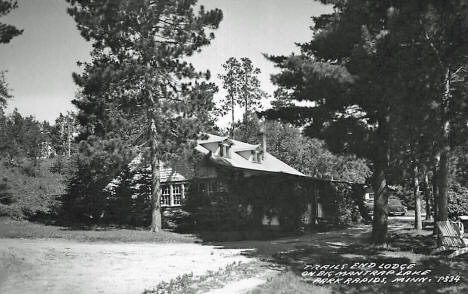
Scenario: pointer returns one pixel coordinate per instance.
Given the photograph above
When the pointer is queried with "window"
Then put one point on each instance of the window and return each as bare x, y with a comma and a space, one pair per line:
224, 150
221, 187
165, 196
212, 187
256, 156
202, 187
177, 194
185, 188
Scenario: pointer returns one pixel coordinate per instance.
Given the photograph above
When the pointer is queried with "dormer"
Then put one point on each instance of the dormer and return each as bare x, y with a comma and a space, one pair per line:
253, 154
224, 148
256, 155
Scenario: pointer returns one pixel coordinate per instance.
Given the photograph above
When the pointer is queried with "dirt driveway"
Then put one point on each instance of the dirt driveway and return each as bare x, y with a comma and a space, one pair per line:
61, 266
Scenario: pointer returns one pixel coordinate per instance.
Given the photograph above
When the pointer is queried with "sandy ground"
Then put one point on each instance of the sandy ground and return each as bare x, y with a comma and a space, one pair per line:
60, 266
241, 286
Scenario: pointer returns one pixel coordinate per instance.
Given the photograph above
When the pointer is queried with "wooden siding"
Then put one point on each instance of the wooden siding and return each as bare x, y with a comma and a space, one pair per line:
179, 171
206, 171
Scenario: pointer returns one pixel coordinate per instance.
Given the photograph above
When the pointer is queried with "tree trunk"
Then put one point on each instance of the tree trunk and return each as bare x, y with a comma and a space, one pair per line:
380, 221
232, 116
445, 150
427, 195
69, 142
155, 183
443, 185
246, 108
417, 200
381, 160
435, 192
246, 97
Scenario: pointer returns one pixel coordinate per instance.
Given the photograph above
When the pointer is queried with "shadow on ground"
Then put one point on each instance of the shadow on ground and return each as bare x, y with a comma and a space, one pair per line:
351, 245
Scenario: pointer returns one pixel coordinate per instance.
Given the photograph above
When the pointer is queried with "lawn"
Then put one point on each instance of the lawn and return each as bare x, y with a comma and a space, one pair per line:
23, 229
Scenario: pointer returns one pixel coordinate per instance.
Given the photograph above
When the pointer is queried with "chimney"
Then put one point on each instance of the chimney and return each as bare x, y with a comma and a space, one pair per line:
263, 141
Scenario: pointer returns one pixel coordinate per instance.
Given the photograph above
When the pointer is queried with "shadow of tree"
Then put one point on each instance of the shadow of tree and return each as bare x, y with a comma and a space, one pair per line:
352, 245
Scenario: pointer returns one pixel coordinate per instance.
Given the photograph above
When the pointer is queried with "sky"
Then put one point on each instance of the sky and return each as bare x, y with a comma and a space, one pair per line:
40, 62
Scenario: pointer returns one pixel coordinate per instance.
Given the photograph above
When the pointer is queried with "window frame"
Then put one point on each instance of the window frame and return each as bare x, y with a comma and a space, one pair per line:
165, 196
175, 194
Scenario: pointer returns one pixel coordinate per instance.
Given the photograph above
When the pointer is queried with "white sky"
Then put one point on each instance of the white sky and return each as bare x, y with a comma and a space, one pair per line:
40, 62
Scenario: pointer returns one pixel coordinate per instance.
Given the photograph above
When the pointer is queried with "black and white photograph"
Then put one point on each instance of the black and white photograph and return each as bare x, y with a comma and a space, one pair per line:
233, 146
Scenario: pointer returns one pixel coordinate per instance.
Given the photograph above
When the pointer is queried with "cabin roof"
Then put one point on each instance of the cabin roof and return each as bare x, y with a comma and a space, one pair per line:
268, 164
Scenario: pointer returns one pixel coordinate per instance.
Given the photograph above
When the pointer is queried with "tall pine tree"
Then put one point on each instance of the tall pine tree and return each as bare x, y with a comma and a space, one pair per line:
240, 80
370, 66
138, 85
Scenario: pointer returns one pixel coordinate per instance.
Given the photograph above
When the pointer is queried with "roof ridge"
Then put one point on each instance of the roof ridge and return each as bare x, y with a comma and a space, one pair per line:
245, 148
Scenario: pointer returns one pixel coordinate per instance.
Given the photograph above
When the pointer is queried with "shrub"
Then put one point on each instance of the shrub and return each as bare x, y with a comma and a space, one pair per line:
61, 165
97, 163
457, 200
23, 195
178, 220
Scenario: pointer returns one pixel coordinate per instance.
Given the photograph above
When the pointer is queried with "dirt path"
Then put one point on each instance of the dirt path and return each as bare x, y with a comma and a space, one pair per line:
59, 266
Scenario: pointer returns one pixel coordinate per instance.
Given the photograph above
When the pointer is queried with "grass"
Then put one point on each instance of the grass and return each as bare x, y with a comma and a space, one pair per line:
23, 229
190, 284
288, 283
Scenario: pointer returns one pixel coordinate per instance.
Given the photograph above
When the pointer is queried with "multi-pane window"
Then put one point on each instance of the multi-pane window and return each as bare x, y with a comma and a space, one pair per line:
177, 194
185, 188
225, 150
256, 156
202, 187
212, 186
221, 187
166, 195
172, 194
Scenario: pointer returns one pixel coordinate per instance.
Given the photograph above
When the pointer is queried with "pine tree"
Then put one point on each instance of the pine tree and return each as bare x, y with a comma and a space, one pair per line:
138, 85
365, 71
7, 32
243, 87
63, 133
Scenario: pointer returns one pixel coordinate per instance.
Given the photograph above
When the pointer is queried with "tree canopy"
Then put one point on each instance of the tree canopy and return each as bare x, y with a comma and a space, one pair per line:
376, 72
240, 80
138, 89
7, 32
308, 155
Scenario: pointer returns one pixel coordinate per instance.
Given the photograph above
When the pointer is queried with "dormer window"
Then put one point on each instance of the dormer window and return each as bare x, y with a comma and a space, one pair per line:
225, 150
256, 156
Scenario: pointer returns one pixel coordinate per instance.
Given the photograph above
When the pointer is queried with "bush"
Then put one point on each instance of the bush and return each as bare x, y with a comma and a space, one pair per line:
23, 195
178, 220
128, 202
94, 167
28, 168
61, 165
216, 212
457, 200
